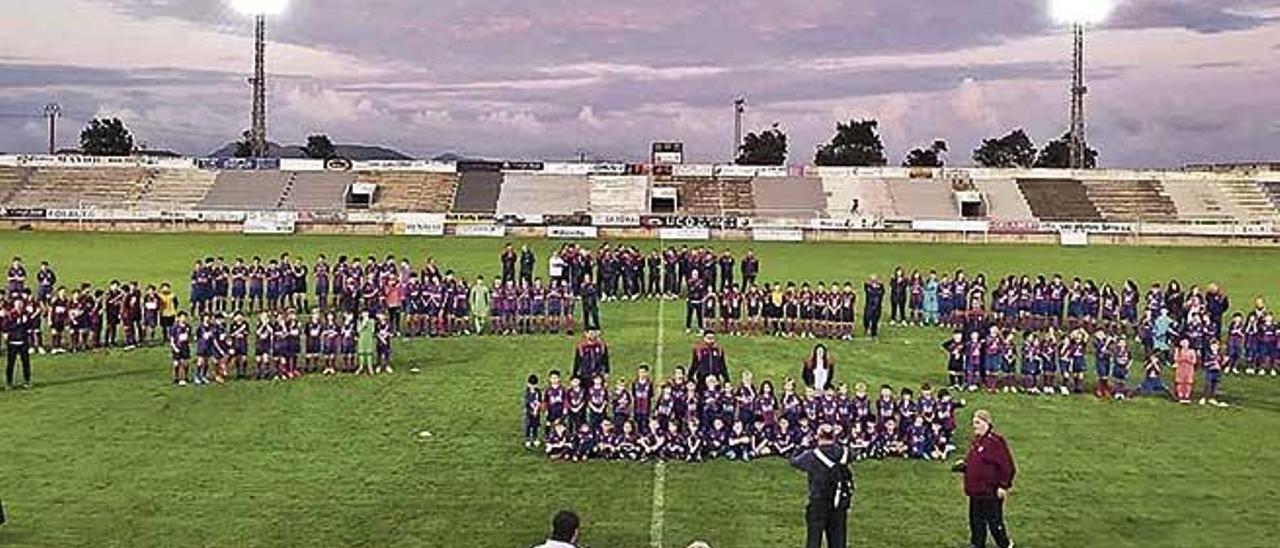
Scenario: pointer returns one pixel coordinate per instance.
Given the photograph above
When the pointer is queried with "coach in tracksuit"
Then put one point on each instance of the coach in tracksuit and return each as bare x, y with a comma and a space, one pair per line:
827, 514
696, 292
988, 476
874, 293
18, 324
590, 296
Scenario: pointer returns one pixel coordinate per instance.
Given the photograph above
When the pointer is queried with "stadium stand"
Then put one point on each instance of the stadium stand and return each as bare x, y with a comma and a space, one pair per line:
922, 199
1272, 190
1058, 200
788, 197
107, 188
524, 194
173, 189
249, 190
412, 190
1003, 200
316, 190
714, 195
1200, 200
10, 180
1141, 200
478, 192
628, 194
1257, 201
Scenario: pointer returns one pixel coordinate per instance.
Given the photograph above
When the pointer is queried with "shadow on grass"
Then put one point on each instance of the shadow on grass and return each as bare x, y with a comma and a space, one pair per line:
97, 377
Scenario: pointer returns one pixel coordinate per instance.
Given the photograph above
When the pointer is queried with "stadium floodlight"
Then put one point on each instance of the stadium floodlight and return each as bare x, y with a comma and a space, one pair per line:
1082, 12
259, 9
1079, 14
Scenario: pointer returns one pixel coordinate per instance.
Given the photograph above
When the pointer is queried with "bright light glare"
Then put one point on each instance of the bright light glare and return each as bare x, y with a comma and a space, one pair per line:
259, 7
1087, 12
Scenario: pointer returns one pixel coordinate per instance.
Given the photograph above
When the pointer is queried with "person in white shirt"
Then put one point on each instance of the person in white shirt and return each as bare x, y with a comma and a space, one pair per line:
564, 531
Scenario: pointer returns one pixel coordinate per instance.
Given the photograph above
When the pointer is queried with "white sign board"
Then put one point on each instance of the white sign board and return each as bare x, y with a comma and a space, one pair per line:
949, 225
615, 219
573, 232
420, 224
685, 233
480, 231
271, 222
777, 234
1074, 238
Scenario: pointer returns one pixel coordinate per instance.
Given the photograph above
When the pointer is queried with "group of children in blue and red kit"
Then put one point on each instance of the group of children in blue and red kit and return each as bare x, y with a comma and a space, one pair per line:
674, 421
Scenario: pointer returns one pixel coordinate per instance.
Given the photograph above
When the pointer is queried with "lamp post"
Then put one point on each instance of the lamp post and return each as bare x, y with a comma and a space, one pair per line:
259, 10
1079, 14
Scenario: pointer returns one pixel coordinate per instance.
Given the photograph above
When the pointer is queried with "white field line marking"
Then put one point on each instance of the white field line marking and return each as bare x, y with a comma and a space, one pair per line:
660, 469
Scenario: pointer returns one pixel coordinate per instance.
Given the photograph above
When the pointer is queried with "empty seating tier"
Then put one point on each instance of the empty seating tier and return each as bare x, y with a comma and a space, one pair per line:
478, 192
317, 191
715, 196
247, 190
1200, 200
923, 199
412, 190
619, 194
72, 188
174, 189
524, 194
1142, 200
10, 180
1058, 200
1272, 191
1004, 201
788, 197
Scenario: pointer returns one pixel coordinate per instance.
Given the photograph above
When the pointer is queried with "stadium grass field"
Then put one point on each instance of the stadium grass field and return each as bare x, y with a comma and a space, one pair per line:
105, 453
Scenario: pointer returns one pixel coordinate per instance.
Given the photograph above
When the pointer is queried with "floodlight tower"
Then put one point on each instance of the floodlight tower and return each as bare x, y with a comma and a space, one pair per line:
739, 109
1079, 14
259, 9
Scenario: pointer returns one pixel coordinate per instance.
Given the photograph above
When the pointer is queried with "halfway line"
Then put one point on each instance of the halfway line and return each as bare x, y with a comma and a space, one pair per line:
660, 469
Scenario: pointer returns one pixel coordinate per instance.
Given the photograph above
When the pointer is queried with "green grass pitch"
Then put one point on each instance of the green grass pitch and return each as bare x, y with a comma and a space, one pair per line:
105, 453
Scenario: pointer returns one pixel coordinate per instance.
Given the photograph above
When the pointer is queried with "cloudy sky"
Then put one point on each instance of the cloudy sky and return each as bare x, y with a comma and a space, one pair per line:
1171, 81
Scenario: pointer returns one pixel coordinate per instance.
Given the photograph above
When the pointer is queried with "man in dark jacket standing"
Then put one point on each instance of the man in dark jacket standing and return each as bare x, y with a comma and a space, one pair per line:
590, 358
830, 490
708, 361
590, 296
988, 476
18, 324
873, 290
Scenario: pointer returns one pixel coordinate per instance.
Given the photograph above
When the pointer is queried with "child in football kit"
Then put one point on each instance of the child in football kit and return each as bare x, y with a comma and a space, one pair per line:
1212, 366
532, 411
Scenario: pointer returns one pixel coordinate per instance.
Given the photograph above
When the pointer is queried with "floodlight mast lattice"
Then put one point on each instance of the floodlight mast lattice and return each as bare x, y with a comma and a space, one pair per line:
1079, 14
259, 10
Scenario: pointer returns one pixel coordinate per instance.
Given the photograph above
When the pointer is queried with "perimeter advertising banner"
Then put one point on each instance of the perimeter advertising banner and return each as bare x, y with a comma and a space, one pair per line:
419, 224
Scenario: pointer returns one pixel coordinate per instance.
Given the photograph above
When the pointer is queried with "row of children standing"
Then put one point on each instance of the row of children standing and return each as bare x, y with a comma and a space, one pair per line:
285, 346
674, 420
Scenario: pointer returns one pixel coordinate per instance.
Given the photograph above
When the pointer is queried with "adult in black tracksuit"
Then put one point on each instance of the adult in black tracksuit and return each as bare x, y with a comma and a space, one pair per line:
696, 292
17, 330
874, 293
590, 304
527, 262
898, 297
827, 513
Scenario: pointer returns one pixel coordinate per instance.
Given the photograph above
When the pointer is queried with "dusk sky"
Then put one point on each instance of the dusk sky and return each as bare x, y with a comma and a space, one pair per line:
1171, 81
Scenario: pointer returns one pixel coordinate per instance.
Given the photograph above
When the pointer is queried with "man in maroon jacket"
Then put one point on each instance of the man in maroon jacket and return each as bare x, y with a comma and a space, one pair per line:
708, 361
988, 476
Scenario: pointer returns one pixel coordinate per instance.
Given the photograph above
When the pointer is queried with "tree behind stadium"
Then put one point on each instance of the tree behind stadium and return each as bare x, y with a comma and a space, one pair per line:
767, 148
106, 137
1057, 154
855, 143
927, 157
319, 147
1012, 150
